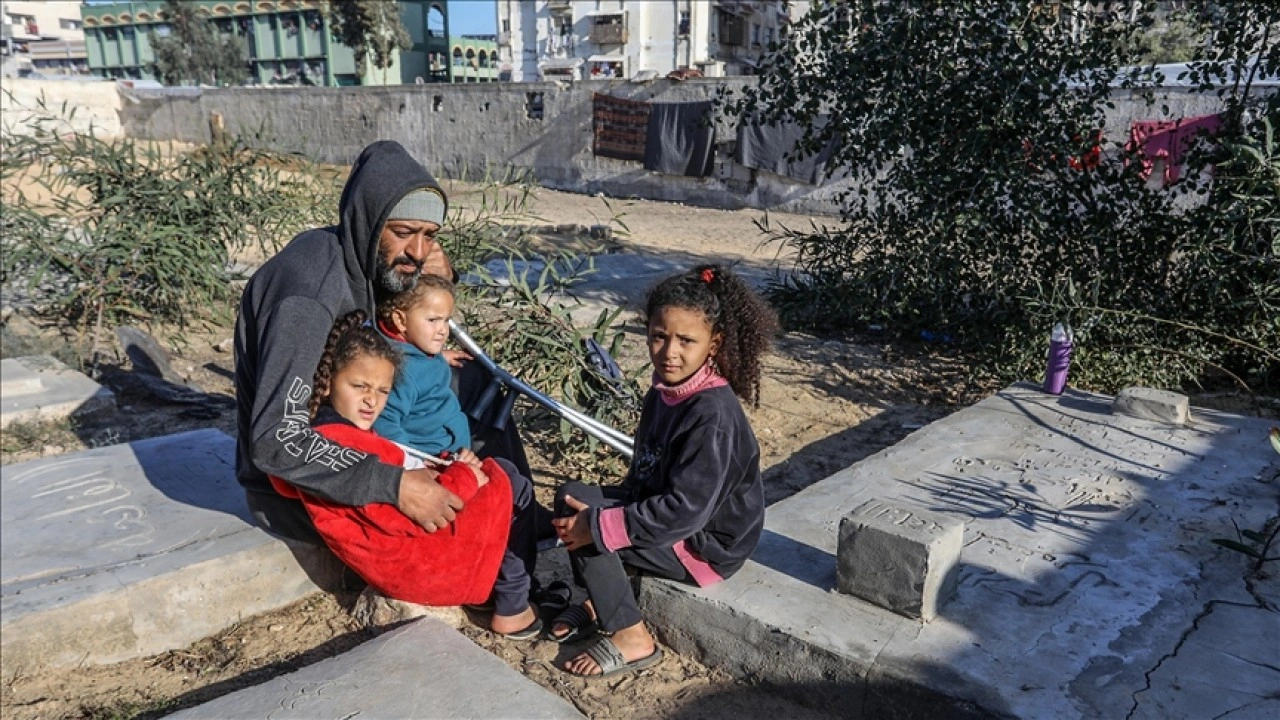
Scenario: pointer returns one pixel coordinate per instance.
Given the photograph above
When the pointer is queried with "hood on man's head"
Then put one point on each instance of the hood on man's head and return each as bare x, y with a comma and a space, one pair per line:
383, 175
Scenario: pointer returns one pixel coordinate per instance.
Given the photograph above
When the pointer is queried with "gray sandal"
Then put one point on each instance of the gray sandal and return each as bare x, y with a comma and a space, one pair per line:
610, 659
579, 621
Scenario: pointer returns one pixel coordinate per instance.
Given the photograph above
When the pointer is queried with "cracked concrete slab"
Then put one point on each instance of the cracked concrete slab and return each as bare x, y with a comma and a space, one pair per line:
1083, 584
130, 550
424, 669
39, 388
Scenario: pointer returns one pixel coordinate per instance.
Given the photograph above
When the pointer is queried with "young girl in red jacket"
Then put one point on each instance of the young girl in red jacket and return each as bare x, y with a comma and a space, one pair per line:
691, 507
454, 566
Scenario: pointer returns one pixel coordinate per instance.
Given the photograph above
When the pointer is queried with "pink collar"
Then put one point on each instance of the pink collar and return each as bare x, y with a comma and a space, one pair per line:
704, 379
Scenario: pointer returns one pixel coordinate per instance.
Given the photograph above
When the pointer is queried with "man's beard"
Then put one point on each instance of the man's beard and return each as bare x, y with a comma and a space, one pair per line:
394, 281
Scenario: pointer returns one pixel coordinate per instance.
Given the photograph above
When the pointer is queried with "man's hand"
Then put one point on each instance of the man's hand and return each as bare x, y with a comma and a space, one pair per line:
575, 530
425, 501
436, 262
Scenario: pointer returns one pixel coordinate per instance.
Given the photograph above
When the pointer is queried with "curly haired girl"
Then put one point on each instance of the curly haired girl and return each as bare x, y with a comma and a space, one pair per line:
692, 505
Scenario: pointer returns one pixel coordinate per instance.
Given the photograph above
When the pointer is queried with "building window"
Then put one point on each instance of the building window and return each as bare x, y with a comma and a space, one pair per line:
69, 24
506, 25
755, 34
682, 28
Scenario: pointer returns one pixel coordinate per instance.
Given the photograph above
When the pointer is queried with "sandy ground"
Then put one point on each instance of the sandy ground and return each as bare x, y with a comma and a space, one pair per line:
825, 404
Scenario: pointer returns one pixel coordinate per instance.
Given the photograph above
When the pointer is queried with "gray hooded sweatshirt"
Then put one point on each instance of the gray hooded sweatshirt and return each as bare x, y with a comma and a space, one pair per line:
286, 312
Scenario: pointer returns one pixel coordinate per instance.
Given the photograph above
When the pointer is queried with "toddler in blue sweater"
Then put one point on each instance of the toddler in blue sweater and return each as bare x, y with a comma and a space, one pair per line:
422, 411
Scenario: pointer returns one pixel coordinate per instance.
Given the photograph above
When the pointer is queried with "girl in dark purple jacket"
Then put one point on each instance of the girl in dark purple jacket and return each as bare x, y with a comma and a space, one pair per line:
691, 507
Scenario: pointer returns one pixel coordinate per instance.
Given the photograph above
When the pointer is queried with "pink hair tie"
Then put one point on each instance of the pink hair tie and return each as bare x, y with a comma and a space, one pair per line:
708, 275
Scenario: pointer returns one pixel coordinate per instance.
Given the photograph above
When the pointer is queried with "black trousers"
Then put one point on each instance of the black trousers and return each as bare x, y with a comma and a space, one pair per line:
515, 576
469, 383
604, 574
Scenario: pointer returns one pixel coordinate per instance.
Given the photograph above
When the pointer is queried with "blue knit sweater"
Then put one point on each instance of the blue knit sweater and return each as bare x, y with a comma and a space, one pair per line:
422, 411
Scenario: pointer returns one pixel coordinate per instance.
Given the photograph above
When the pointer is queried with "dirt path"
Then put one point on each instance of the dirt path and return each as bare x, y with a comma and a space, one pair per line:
824, 405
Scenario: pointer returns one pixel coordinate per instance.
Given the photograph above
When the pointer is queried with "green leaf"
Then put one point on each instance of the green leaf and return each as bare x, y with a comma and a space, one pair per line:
1238, 547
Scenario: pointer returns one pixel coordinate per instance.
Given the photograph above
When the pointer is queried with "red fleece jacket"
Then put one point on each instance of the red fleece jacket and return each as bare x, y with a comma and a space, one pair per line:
454, 566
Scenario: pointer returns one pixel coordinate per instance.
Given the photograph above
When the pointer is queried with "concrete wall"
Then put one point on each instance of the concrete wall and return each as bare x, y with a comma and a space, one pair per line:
95, 103
465, 131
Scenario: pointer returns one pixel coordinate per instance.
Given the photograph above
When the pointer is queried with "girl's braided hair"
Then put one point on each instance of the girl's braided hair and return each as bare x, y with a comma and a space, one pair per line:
744, 320
349, 339
402, 301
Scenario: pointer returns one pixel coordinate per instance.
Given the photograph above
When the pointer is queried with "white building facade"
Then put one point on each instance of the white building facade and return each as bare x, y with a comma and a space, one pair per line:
586, 39
43, 35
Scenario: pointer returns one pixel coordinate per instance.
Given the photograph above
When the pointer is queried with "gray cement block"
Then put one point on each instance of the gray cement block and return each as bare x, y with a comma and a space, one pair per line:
130, 550
39, 388
899, 557
1150, 404
422, 670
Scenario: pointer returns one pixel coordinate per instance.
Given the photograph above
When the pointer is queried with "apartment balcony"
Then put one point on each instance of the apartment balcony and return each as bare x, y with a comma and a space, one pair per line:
609, 28
733, 30
560, 6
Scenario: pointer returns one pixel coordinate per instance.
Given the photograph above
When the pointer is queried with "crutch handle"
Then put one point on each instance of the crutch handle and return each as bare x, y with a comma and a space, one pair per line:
504, 410
480, 408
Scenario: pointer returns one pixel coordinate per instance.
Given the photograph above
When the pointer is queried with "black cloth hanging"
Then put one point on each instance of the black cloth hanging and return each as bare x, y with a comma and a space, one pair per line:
765, 147
681, 139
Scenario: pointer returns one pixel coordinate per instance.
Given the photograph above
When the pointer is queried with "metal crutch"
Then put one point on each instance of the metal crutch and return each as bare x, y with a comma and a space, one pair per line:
515, 386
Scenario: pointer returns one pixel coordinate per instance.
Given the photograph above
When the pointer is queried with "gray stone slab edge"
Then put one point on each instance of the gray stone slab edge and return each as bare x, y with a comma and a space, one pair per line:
424, 669
750, 650
159, 614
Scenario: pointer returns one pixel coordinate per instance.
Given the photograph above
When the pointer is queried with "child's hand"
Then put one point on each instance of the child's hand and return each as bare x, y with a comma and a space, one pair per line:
481, 478
575, 530
455, 358
467, 457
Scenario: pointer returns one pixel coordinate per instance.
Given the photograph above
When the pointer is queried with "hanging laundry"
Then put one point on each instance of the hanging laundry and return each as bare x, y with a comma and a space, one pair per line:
1170, 140
681, 139
619, 127
765, 147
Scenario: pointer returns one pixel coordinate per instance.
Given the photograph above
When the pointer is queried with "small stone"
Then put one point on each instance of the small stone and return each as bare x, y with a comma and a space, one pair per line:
224, 345
276, 628
373, 610
1151, 404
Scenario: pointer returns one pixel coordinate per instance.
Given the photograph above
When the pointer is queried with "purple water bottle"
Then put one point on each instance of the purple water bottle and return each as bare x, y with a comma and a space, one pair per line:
1055, 374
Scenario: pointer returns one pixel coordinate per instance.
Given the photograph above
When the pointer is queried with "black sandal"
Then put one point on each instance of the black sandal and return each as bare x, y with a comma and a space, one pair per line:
580, 622
554, 598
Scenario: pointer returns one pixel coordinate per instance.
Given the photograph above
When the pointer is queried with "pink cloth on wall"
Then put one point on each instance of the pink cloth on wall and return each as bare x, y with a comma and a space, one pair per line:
1169, 139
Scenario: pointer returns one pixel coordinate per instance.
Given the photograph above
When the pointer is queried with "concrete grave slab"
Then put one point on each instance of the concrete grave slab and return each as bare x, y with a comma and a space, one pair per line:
1088, 584
18, 379
130, 550
424, 669
39, 388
